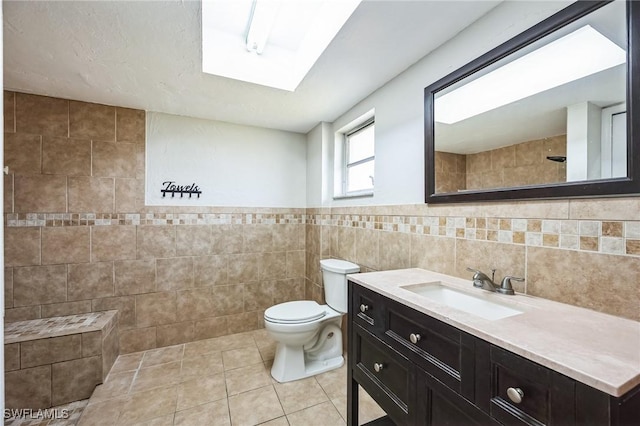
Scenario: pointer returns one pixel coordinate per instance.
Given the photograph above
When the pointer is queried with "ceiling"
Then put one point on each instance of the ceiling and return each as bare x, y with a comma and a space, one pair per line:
147, 55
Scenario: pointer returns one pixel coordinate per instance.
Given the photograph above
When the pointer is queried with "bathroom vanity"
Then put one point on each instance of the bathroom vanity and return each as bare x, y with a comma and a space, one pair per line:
432, 350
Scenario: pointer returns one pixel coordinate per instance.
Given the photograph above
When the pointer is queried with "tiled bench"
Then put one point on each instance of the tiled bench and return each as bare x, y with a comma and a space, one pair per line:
53, 361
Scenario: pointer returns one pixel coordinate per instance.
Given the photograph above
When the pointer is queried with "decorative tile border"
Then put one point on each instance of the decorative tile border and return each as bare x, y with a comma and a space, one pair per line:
610, 237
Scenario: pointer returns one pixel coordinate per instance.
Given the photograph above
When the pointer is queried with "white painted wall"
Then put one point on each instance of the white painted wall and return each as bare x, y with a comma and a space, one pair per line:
399, 104
233, 165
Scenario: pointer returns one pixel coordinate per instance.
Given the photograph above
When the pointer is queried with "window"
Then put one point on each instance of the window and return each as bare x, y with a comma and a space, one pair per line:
358, 160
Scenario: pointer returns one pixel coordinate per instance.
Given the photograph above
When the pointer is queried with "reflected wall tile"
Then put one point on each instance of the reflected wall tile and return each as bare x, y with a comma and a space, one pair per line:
92, 121
113, 243
63, 156
40, 193
69, 244
90, 281
87, 194
21, 246
547, 277
394, 250
22, 153
433, 253
34, 285
42, 115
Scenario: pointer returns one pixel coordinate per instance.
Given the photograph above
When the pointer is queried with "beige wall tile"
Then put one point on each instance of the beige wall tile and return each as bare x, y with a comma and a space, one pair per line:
91, 344
257, 238
110, 350
68, 244
8, 193
21, 246
42, 115
135, 276
258, 295
92, 121
127, 191
210, 270
547, 277
139, 339
173, 334
75, 380
605, 208
40, 193
34, 285
367, 243
66, 308
48, 351
11, 356
433, 253
195, 304
155, 309
346, 243
226, 239
274, 265
247, 321
288, 236
30, 388
22, 153
156, 241
22, 314
113, 159
210, 327
8, 287
193, 240
288, 290
126, 307
175, 273
394, 250
9, 111
63, 156
295, 264
130, 125
227, 300
87, 194
113, 243
243, 268
90, 281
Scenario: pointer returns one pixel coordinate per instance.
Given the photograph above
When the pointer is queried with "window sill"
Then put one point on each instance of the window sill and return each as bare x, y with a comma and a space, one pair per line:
362, 194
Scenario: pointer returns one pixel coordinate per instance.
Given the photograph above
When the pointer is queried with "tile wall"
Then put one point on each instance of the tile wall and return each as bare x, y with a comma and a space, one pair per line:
580, 252
78, 237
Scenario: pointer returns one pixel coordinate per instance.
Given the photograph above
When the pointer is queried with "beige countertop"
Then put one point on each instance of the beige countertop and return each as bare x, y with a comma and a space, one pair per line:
600, 350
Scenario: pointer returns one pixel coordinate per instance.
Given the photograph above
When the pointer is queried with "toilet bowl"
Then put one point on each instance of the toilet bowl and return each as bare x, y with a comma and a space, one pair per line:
309, 335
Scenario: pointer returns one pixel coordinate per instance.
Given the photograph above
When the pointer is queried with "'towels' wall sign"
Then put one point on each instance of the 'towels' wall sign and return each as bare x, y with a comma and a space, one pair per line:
170, 186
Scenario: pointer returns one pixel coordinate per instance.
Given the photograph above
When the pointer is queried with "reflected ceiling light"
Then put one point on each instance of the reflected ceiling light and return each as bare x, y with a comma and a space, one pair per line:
576, 55
282, 42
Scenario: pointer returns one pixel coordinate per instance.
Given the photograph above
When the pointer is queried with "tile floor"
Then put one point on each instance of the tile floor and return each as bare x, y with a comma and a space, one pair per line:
219, 381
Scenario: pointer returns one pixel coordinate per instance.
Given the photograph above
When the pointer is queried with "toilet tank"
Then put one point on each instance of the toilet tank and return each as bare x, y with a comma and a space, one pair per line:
334, 279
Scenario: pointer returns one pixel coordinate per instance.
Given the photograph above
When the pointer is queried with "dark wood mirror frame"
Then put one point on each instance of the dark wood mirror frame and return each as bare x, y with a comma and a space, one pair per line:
591, 188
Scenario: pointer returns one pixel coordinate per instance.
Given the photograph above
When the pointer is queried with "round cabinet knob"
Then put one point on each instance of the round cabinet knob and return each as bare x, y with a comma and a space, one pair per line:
515, 395
364, 308
378, 366
415, 338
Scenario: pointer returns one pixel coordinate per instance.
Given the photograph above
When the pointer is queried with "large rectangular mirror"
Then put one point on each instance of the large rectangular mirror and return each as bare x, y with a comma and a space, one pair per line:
547, 114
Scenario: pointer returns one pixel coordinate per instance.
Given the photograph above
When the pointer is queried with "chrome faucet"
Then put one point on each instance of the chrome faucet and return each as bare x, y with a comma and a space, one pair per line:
482, 280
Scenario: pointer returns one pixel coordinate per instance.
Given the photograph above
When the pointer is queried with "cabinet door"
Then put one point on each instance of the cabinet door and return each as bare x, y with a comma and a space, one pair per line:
438, 405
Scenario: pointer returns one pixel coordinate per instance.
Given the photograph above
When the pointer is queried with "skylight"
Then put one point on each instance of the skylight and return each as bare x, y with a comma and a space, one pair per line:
576, 55
269, 42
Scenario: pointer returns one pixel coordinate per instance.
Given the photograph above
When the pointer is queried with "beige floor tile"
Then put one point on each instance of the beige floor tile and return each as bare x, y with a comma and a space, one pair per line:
235, 341
201, 390
202, 365
158, 421
156, 376
255, 407
300, 394
241, 357
201, 347
244, 379
127, 362
148, 405
262, 338
103, 413
268, 352
324, 414
210, 414
162, 356
280, 421
334, 382
368, 409
117, 384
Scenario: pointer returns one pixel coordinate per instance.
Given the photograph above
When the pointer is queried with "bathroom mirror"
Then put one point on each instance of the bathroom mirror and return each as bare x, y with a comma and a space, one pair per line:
548, 114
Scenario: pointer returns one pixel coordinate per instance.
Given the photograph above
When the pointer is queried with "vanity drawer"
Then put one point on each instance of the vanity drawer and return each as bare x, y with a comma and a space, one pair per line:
385, 374
367, 307
523, 392
440, 349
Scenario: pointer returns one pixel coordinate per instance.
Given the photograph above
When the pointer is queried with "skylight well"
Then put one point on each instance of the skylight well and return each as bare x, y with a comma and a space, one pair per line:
578, 54
269, 42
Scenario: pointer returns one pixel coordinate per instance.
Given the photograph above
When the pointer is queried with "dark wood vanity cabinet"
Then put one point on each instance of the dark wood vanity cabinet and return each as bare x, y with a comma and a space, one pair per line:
422, 371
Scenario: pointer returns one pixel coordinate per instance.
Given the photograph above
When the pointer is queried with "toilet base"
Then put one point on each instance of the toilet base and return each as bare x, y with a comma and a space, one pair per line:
291, 366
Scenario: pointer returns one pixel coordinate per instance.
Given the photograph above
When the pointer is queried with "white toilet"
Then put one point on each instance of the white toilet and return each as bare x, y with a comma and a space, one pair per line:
308, 334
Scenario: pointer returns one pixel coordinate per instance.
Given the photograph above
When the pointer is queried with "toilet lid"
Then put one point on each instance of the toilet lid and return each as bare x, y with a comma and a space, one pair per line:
294, 312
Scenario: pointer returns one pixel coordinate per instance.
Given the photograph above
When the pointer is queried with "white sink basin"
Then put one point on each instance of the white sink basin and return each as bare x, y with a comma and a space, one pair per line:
477, 305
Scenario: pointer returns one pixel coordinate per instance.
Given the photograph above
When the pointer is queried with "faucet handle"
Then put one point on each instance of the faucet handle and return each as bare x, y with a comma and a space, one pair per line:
506, 287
